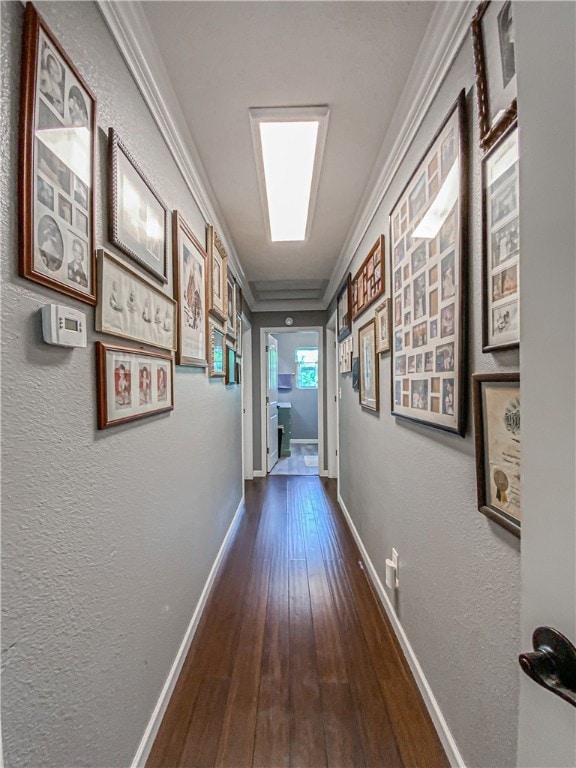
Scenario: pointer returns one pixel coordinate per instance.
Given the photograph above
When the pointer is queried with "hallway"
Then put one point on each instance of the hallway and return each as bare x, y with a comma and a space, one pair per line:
293, 663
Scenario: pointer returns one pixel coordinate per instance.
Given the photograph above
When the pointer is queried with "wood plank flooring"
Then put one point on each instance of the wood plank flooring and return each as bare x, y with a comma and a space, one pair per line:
294, 663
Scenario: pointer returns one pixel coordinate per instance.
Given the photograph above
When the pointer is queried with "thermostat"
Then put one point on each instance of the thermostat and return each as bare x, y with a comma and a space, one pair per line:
63, 326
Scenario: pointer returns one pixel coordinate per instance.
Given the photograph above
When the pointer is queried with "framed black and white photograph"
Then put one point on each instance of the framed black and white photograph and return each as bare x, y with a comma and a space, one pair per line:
190, 290
428, 255
346, 349
138, 219
231, 329
131, 306
501, 245
216, 351
57, 145
344, 309
498, 448
495, 65
368, 372
132, 384
382, 320
217, 275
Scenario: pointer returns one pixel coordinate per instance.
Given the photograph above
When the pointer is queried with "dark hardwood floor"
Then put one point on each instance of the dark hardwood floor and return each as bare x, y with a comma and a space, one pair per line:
294, 662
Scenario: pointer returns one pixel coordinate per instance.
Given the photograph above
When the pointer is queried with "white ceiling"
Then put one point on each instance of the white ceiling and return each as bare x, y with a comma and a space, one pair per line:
224, 57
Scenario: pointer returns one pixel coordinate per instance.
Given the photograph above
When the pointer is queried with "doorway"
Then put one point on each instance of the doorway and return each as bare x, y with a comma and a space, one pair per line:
292, 406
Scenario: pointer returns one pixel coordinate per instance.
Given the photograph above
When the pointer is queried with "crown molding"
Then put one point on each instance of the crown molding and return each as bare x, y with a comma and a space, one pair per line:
444, 37
129, 27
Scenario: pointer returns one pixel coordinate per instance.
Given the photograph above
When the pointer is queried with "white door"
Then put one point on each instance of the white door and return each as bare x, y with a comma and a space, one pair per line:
545, 62
271, 401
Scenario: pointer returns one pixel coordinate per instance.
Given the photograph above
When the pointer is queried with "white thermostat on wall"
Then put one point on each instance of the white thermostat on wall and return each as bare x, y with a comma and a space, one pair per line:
63, 326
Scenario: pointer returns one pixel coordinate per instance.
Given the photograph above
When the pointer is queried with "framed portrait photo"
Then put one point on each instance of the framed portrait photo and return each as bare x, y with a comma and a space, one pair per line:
217, 275
501, 245
344, 309
57, 144
498, 447
368, 283
216, 351
132, 384
138, 219
428, 228
131, 307
382, 320
191, 290
368, 370
231, 329
495, 65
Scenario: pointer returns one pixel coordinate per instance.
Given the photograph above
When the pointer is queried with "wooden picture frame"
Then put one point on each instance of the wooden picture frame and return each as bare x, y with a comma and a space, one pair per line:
428, 257
191, 292
132, 307
368, 368
138, 218
495, 67
231, 308
216, 351
501, 244
344, 309
498, 447
230, 365
346, 349
132, 384
238, 334
369, 282
382, 320
57, 166
217, 275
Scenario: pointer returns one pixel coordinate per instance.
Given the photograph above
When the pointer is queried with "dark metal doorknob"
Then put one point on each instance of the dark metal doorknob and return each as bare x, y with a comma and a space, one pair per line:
552, 664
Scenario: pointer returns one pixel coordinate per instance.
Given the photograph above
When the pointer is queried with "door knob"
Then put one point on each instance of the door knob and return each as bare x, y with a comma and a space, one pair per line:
552, 664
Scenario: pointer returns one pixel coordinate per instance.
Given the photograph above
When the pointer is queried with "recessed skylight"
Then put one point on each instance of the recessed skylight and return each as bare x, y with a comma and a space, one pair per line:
288, 143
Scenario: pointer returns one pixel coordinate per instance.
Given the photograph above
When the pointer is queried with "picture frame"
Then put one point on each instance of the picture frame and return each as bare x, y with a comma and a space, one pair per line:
368, 368
217, 275
495, 69
230, 365
57, 166
238, 334
132, 307
132, 384
497, 408
344, 309
138, 218
346, 354
231, 308
216, 351
501, 244
369, 282
239, 298
354, 368
191, 291
382, 320
428, 261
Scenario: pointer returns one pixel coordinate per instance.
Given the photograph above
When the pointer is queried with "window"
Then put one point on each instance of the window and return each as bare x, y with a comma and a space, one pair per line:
306, 368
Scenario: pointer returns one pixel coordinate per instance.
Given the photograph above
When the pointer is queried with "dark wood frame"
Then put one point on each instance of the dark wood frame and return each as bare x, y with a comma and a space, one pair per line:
115, 145
459, 105
179, 225
361, 277
231, 291
230, 369
102, 382
213, 242
33, 22
238, 334
500, 517
384, 307
346, 329
486, 346
362, 328
212, 328
488, 135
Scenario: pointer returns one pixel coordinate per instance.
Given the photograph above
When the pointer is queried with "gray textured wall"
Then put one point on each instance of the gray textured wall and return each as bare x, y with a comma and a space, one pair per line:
304, 401
414, 488
107, 537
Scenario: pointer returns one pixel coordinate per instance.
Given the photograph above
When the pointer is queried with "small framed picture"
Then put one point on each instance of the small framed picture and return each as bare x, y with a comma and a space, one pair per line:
57, 145
382, 320
368, 373
216, 351
190, 289
230, 365
501, 245
132, 384
217, 275
131, 307
138, 218
498, 447
231, 308
495, 65
344, 309
346, 354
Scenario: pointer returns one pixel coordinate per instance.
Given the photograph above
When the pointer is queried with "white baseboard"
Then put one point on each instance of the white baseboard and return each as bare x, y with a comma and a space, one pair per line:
302, 441
430, 701
151, 731
260, 473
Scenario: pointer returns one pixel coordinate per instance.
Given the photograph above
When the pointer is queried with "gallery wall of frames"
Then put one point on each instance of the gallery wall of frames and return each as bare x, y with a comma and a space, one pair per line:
421, 325
199, 326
